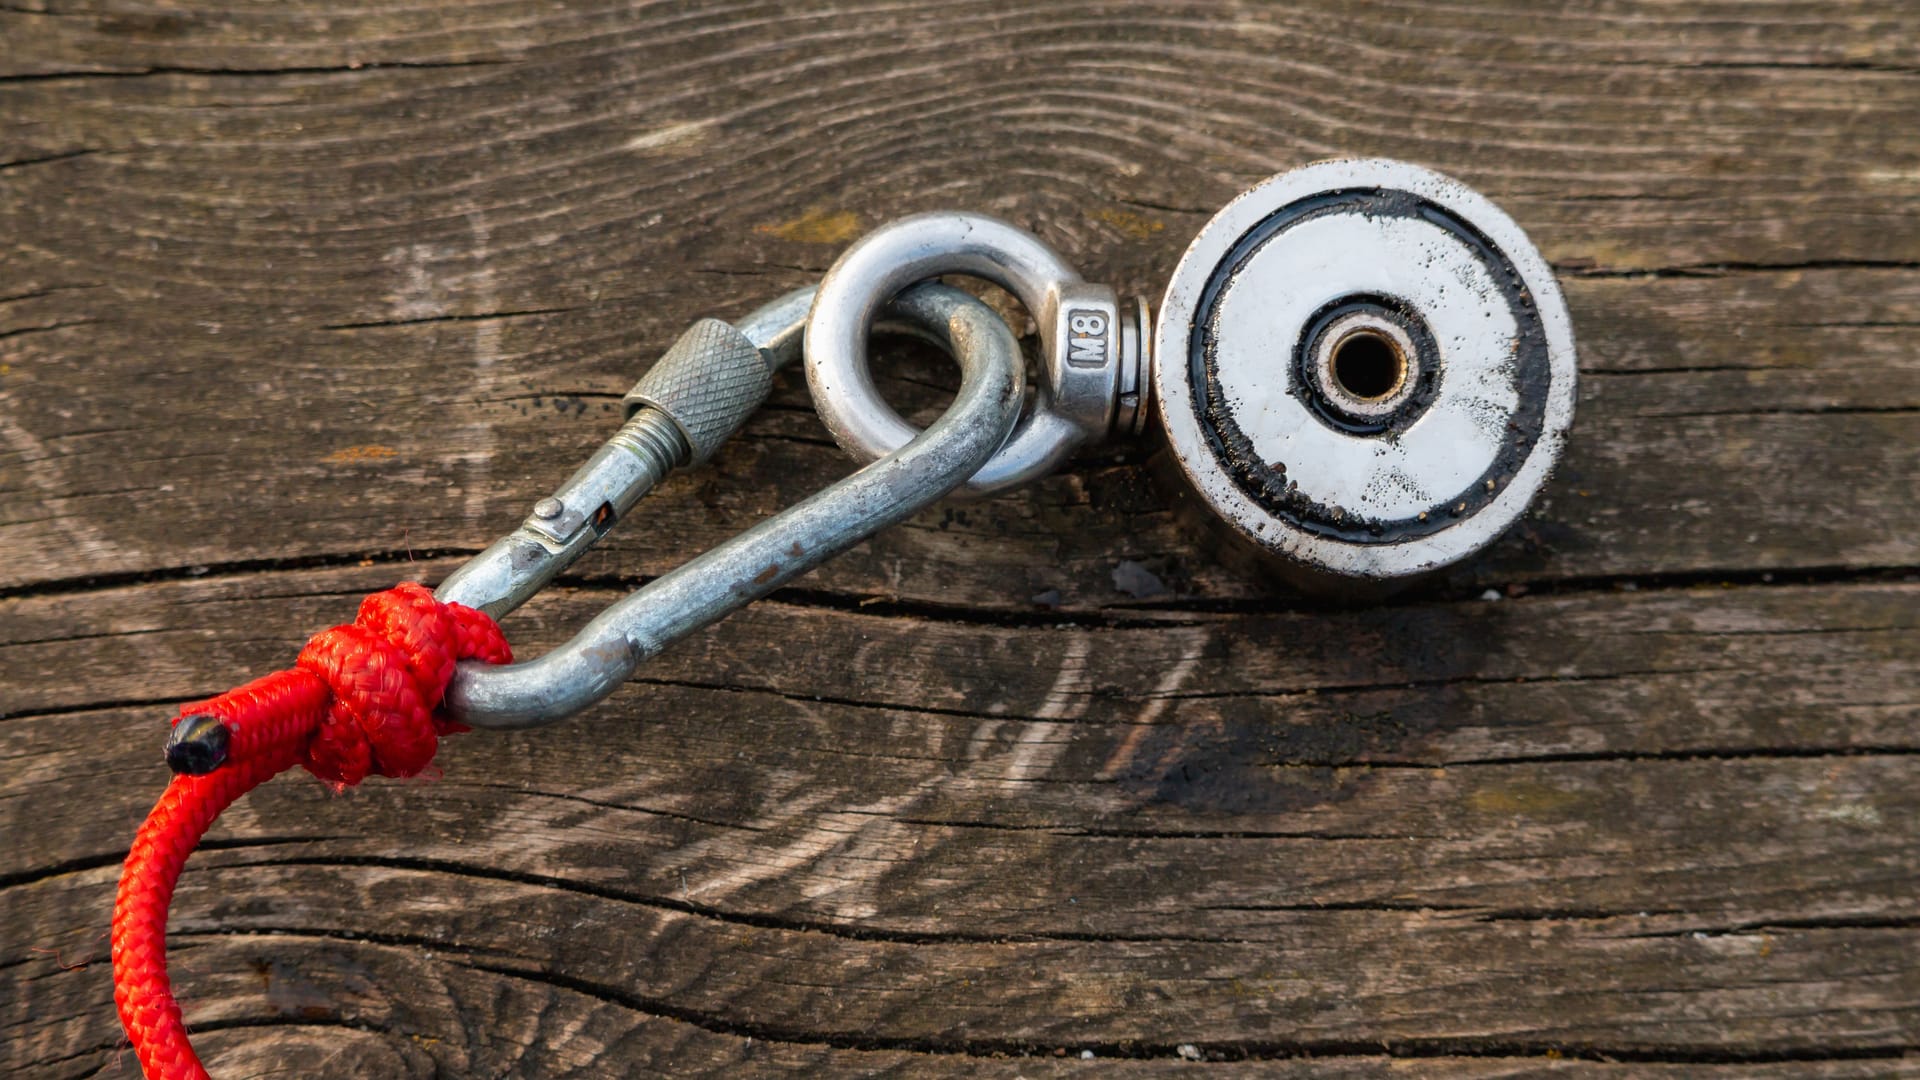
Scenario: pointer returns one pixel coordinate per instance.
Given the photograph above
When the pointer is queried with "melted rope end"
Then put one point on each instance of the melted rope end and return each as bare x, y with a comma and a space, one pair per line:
198, 745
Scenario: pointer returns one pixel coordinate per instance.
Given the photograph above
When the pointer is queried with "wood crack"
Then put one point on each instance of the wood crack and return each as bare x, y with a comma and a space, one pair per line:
1815, 410
1767, 753
1762, 926
226, 72
915, 708
756, 920
99, 706
479, 316
606, 804
48, 159
1106, 833
48, 328
1439, 684
1721, 269
86, 863
52, 290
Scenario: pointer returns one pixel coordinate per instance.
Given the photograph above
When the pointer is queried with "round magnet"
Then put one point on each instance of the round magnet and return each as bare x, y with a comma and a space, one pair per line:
1365, 369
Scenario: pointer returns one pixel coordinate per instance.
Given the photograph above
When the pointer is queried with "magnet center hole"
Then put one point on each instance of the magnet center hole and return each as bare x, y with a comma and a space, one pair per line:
1368, 365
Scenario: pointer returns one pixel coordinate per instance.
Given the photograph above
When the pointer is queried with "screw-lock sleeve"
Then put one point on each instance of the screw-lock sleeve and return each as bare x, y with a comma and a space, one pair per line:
708, 383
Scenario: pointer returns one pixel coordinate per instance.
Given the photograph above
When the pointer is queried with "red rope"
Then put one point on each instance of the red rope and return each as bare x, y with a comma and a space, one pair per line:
361, 699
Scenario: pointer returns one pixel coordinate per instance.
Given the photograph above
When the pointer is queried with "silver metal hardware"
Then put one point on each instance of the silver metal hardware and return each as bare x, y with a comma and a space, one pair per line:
1087, 371
1364, 369
1131, 410
707, 384
1365, 366
750, 565
652, 442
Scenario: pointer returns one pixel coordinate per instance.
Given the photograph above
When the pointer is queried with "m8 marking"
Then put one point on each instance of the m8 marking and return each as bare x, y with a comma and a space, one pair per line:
1087, 338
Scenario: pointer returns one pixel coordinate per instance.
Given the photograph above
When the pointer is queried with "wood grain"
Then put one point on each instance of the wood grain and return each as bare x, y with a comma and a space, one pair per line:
298, 299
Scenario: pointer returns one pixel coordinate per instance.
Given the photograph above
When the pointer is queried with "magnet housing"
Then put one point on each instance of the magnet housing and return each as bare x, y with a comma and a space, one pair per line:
1365, 370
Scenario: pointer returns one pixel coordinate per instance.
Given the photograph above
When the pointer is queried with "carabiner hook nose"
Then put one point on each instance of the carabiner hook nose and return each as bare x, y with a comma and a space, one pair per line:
675, 417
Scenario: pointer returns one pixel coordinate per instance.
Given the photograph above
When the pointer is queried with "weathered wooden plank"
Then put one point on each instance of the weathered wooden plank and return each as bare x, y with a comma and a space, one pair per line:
289, 944
1727, 469
292, 293
1675, 671
334, 1008
1589, 816
1760, 418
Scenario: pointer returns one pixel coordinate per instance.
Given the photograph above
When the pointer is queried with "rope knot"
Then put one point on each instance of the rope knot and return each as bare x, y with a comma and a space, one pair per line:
362, 699
386, 672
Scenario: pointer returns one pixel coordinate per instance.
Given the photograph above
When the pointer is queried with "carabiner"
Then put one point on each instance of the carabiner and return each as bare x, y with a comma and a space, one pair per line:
701, 391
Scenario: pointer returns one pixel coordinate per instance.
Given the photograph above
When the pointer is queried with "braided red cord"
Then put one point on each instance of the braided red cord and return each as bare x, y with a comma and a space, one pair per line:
361, 699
